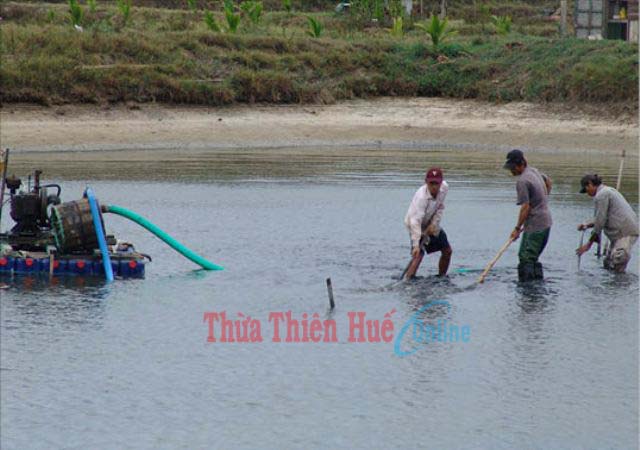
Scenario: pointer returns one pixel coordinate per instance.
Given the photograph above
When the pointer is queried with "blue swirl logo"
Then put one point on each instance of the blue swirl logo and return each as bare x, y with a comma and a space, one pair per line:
423, 332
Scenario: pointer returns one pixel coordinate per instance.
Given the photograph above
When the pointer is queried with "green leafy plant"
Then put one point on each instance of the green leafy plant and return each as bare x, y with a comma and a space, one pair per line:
315, 27
246, 6
502, 24
211, 22
256, 13
192, 4
75, 13
92, 5
437, 30
125, 10
253, 10
287, 5
51, 16
233, 19
397, 29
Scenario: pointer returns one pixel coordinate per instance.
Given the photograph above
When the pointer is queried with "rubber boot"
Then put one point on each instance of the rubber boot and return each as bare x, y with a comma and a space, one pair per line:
537, 271
526, 271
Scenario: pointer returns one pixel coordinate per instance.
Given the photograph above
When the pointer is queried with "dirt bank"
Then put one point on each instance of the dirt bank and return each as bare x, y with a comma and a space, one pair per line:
386, 123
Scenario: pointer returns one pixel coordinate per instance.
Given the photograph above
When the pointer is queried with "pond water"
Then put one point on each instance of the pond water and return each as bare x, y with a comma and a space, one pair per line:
551, 364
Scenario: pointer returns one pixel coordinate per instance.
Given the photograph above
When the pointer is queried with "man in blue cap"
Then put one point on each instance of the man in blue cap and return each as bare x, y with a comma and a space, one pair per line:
534, 219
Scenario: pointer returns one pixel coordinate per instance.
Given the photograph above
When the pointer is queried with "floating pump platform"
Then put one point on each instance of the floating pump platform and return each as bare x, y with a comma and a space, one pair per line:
51, 238
40, 264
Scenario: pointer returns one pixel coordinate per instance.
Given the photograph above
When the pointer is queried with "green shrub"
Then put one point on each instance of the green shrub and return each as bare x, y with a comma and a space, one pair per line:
253, 10
75, 13
124, 6
502, 24
437, 30
315, 27
233, 19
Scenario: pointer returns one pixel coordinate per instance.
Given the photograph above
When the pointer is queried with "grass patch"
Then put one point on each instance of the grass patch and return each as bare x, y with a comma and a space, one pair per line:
172, 55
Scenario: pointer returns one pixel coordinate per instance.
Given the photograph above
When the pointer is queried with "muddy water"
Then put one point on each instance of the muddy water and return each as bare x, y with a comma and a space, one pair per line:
544, 365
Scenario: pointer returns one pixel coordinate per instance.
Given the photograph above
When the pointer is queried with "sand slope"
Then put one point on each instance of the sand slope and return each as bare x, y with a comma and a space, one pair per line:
380, 123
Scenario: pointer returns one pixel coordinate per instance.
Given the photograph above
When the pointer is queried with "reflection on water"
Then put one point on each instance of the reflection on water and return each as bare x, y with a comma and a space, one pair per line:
534, 296
549, 364
322, 165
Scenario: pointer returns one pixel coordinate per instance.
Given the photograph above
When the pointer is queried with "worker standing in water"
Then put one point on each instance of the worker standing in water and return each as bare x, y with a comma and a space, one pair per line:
534, 219
615, 217
423, 222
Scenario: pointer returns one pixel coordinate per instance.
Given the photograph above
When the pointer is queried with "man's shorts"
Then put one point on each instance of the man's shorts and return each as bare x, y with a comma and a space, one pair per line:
619, 253
435, 243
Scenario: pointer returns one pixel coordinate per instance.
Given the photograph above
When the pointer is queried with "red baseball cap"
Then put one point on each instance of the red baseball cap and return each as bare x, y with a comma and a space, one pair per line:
434, 175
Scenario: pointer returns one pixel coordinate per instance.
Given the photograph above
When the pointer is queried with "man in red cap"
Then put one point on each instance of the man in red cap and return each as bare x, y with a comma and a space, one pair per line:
423, 222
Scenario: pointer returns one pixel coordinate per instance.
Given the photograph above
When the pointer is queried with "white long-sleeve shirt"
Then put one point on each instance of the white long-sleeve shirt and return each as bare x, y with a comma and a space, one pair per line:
424, 211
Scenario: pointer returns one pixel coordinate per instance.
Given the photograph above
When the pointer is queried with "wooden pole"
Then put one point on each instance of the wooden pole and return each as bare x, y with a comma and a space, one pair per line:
563, 18
3, 183
330, 292
581, 244
495, 260
619, 182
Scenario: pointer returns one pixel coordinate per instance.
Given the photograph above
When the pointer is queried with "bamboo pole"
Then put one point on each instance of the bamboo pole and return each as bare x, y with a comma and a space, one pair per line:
619, 181
581, 244
495, 260
3, 183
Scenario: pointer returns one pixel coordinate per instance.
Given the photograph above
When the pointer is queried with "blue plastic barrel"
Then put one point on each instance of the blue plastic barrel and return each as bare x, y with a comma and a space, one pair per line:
131, 268
60, 266
80, 266
6, 264
26, 265
43, 265
98, 268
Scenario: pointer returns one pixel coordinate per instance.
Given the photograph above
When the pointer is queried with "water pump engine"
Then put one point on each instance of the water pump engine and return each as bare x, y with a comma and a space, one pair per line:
29, 211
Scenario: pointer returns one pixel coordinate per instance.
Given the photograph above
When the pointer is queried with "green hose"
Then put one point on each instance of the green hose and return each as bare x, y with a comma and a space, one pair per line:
162, 235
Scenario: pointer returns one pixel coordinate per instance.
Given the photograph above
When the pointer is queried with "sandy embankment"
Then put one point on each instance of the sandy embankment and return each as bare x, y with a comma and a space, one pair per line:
383, 123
